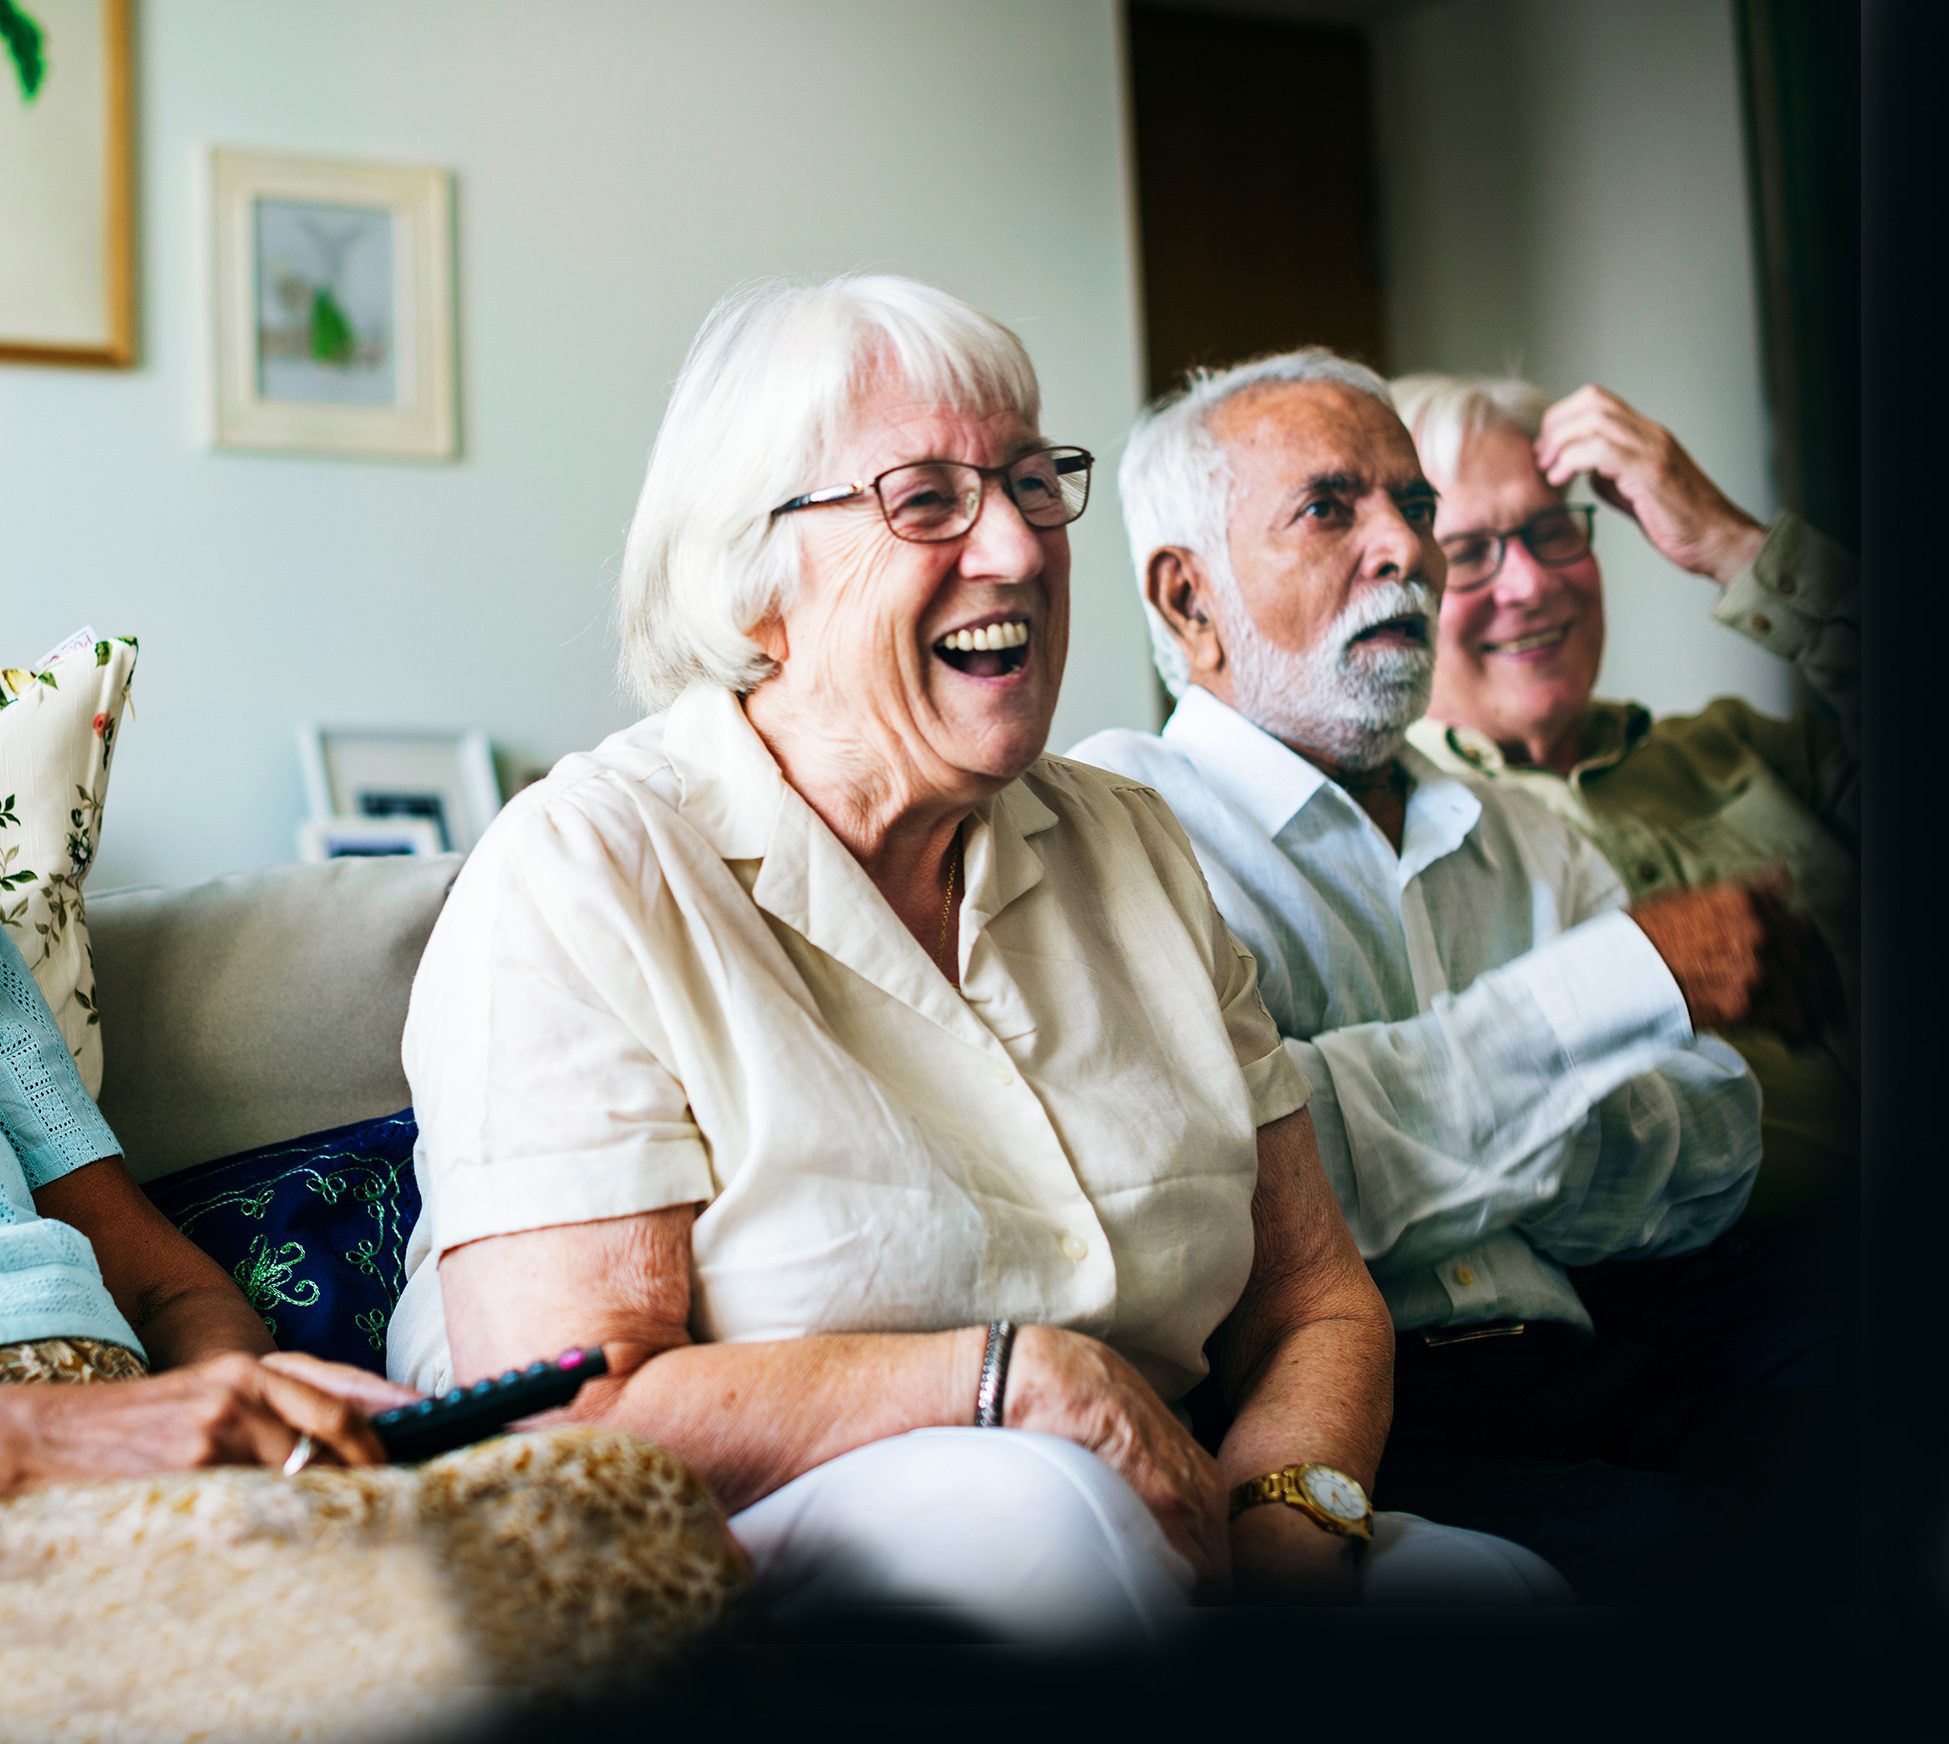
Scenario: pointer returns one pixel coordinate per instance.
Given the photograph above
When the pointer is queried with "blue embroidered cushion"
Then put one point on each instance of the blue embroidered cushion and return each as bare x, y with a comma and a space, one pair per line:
314, 1231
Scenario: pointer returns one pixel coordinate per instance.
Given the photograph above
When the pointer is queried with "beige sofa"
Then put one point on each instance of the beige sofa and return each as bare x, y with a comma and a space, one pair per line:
256, 1008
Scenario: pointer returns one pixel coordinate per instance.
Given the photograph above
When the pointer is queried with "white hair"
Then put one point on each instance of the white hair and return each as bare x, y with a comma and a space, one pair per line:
764, 397
1176, 478
1442, 412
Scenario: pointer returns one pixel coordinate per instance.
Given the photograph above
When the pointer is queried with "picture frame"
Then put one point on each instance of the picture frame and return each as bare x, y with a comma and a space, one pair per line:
446, 779
67, 210
342, 838
331, 305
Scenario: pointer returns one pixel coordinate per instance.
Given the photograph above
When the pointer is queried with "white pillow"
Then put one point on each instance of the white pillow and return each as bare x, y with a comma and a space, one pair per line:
57, 733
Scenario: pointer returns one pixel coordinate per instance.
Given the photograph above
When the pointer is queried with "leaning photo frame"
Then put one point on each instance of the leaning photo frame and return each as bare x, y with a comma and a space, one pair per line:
330, 286
445, 779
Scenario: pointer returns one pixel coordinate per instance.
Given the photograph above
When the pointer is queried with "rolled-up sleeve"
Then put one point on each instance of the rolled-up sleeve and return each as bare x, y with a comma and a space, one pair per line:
538, 1062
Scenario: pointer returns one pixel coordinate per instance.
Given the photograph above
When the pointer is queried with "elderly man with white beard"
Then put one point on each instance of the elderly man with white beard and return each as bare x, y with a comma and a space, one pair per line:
1510, 1085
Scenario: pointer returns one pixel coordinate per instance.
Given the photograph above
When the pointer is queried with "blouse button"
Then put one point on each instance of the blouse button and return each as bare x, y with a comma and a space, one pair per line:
1647, 872
1074, 1247
1786, 587
1762, 623
1465, 1276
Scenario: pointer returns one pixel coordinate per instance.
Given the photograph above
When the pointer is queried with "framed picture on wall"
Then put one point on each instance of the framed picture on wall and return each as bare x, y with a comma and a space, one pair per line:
365, 838
331, 293
443, 781
67, 275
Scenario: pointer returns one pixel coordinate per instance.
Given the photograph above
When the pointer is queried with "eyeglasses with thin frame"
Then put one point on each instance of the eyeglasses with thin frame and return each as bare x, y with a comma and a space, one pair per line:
927, 501
1555, 538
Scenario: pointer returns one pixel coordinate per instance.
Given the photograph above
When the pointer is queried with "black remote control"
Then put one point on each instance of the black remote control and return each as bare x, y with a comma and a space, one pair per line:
468, 1414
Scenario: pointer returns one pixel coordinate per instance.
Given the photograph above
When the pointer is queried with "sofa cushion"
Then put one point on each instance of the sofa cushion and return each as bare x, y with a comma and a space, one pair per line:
57, 735
314, 1232
239, 1012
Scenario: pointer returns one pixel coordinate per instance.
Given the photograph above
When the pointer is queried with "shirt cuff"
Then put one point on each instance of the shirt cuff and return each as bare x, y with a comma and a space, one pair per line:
1797, 582
1276, 1087
470, 1201
1608, 997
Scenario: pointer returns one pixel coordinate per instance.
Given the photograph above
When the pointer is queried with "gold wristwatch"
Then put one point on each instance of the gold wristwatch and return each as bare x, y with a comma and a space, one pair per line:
1328, 1497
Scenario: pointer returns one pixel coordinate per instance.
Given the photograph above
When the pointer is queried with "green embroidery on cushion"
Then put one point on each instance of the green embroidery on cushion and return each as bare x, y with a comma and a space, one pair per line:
263, 1277
380, 1256
373, 1324
254, 1205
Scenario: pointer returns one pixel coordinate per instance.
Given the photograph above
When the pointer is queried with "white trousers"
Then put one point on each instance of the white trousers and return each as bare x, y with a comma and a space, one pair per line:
1040, 1541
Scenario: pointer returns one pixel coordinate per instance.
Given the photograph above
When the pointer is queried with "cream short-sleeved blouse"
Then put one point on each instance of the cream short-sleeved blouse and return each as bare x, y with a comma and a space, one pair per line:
661, 980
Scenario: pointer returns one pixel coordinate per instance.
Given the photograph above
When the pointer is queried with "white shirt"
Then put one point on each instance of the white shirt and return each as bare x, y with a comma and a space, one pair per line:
661, 980
1505, 1079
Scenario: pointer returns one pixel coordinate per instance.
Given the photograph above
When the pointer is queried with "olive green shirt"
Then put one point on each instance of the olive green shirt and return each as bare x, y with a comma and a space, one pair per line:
1691, 799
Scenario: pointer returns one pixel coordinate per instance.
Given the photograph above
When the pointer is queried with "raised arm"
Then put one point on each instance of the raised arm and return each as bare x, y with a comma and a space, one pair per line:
1306, 1359
1786, 587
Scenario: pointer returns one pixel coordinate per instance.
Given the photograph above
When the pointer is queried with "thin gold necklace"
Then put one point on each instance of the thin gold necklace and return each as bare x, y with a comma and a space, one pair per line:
947, 907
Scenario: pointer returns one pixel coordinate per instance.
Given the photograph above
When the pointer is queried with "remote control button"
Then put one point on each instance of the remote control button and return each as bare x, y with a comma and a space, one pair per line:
424, 1406
511, 1375
481, 1387
453, 1396
538, 1367
569, 1359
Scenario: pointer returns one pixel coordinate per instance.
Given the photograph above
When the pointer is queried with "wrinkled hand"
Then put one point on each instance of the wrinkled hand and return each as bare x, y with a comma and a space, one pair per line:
1067, 1384
1740, 955
230, 1410
1637, 466
361, 1387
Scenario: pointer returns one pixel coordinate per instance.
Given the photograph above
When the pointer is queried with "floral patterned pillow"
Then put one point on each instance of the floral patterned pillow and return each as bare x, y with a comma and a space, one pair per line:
57, 734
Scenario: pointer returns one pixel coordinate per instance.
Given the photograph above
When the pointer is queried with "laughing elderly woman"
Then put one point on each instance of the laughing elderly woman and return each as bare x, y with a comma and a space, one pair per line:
865, 1081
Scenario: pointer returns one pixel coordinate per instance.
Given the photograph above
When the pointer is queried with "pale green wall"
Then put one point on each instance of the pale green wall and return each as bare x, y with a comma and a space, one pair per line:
619, 163
1564, 198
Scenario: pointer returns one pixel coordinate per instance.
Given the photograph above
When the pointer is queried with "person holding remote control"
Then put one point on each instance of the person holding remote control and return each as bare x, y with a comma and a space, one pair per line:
208, 1495
97, 1285
886, 1099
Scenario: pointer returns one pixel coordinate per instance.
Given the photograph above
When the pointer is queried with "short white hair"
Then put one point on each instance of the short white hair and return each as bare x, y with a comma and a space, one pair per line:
1176, 478
1442, 412
765, 395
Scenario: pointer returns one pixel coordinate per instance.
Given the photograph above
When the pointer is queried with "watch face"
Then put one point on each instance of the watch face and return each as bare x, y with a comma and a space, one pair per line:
1335, 1492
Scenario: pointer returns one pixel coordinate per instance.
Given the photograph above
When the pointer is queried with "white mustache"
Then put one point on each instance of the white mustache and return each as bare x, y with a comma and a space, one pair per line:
1391, 599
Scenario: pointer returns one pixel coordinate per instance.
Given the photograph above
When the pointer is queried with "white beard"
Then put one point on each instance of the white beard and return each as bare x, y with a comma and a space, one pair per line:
1352, 704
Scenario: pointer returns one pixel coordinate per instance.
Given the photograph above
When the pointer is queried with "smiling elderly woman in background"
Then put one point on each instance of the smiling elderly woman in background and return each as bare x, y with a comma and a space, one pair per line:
857, 1075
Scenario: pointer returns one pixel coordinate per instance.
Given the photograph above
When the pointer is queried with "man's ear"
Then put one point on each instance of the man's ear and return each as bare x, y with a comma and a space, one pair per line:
1178, 587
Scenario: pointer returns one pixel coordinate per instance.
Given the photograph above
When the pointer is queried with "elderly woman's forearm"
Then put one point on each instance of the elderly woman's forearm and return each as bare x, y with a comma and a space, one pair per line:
749, 1418
1324, 1394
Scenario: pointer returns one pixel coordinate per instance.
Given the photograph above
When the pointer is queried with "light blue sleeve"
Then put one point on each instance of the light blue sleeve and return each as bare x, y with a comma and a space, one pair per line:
46, 1115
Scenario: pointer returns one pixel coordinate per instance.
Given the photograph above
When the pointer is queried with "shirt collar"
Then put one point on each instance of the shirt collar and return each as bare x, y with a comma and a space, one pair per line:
1610, 731
1248, 768
1271, 783
735, 795
1443, 811
729, 789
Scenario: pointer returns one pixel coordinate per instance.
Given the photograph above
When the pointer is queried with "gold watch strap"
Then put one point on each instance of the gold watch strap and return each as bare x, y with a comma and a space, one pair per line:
1285, 1486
